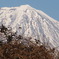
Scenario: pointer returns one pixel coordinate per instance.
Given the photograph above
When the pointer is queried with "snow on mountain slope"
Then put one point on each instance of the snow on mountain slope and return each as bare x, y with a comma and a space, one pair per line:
30, 22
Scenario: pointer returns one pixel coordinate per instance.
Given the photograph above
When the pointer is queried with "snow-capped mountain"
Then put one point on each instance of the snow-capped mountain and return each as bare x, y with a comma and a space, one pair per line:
30, 22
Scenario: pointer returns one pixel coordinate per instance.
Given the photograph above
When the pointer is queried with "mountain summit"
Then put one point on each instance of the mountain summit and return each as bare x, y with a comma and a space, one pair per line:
29, 22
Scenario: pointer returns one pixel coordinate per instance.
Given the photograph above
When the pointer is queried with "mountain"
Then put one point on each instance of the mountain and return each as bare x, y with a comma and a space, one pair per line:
29, 22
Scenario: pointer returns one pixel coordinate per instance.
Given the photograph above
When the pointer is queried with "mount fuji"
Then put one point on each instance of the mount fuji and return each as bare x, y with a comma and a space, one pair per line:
29, 22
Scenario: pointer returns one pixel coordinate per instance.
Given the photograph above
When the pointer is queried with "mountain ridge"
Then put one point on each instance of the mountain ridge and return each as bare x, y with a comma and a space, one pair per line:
29, 22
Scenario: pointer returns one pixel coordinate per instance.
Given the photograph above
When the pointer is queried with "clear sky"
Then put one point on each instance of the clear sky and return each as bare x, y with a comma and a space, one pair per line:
50, 7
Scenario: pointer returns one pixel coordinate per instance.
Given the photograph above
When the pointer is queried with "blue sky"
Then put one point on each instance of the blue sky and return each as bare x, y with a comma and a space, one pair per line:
50, 7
